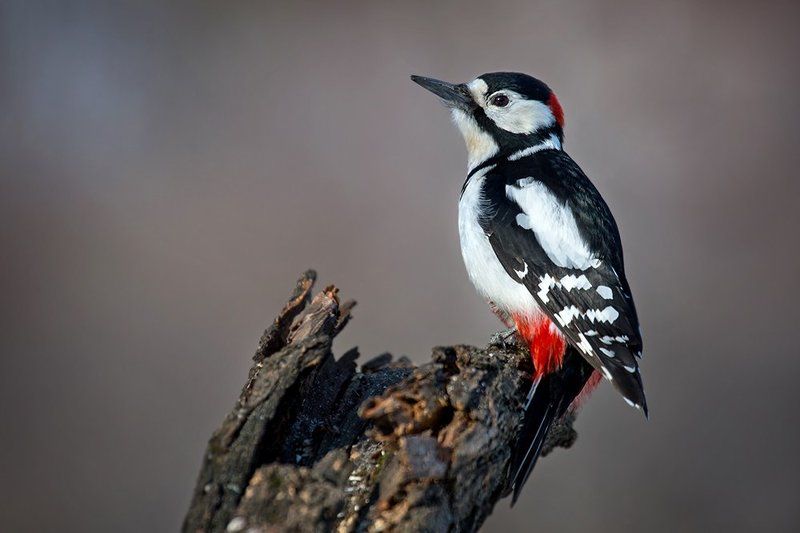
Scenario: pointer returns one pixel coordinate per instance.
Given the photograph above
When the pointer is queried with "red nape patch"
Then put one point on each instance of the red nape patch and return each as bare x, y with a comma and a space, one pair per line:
586, 391
546, 344
555, 107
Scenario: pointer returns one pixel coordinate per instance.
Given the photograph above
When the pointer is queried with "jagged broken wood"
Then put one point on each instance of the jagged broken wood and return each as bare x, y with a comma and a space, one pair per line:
316, 444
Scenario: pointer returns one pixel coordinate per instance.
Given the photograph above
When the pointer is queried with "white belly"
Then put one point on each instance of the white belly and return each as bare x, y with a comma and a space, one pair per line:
483, 267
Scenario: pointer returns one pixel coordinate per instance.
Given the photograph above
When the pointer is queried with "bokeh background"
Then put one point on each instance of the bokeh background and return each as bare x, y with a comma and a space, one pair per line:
168, 170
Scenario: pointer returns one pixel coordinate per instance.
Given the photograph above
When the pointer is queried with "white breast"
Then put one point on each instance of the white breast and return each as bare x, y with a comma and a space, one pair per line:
483, 267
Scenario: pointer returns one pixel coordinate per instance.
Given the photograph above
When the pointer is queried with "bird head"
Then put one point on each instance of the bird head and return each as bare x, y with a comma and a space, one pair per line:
501, 113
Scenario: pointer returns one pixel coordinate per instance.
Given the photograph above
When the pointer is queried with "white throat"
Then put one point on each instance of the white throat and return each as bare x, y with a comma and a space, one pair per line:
480, 145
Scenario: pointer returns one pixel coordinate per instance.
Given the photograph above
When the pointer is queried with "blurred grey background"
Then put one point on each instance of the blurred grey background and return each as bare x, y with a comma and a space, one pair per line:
169, 169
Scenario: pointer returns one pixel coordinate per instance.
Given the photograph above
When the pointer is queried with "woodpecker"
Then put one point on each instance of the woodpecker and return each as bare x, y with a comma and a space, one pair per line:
541, 246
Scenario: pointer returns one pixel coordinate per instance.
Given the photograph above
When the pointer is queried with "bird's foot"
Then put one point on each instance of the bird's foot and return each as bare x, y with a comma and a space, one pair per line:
505, 339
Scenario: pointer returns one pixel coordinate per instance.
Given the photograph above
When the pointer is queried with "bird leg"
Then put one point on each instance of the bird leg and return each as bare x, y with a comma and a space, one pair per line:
504, 317
506, 338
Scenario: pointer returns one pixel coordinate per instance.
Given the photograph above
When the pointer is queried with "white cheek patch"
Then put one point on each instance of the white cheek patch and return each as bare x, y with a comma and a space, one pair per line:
521, 115
480, 145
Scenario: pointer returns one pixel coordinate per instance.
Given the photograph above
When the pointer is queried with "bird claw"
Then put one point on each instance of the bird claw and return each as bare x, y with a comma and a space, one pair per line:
505, 339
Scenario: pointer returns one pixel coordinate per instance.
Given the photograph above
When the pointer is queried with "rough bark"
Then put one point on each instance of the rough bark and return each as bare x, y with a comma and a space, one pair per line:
315, 443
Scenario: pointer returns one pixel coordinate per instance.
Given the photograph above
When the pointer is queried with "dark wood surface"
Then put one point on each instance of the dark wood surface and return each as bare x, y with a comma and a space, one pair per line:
315, 443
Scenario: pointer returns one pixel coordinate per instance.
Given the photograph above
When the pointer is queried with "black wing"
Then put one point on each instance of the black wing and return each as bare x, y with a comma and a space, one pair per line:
589, 300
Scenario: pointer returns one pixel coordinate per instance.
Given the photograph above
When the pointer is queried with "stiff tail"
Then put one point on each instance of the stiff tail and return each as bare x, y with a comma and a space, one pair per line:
548, 400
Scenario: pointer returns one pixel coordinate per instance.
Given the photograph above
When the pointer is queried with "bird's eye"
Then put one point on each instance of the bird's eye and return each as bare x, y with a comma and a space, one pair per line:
499, 100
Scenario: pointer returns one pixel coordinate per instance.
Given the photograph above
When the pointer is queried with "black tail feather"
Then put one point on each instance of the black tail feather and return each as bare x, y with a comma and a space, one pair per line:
553, 395
538, 420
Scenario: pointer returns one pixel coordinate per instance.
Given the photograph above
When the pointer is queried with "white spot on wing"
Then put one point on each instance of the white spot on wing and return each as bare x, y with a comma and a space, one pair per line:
609, 353
524, 272
608, 339
605, 292
566, 315
547, 282
609, 314
584, 345
570, 282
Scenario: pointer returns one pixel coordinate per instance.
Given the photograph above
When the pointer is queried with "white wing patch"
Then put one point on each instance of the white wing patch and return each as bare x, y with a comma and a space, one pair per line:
609, 353
605, 292
609, 314
546, 283
585, 346
566, 315
570, 282
522, 273
608, 339
553, 223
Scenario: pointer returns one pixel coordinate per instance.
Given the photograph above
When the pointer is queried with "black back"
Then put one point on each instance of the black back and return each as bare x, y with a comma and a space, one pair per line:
615, 345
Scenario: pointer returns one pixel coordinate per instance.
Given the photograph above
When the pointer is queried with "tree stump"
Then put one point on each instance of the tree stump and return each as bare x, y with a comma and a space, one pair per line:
315, 443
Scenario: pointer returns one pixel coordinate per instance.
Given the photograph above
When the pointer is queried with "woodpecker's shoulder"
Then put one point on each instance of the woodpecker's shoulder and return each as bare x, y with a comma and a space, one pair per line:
557, 174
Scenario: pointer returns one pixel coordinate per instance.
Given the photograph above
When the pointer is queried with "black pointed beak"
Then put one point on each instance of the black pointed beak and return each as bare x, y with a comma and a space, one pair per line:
457, 96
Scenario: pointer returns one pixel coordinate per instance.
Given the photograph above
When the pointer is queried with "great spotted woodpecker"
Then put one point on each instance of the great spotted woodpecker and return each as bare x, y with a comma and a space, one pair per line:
541, 246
